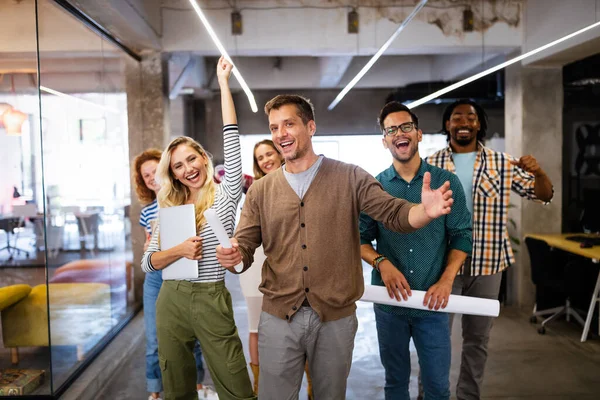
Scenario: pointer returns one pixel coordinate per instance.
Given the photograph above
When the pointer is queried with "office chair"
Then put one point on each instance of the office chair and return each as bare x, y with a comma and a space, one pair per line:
10, 225
17, 221
548, 273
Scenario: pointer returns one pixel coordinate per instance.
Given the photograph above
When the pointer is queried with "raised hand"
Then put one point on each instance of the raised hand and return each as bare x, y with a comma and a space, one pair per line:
529, 164
436, 202
191, 248
224, 69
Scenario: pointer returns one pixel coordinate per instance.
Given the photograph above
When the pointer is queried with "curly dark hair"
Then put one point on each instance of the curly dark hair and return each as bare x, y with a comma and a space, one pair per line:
481, 116
144, 194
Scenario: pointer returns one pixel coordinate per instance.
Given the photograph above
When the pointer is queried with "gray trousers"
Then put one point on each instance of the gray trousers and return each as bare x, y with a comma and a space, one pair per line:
284, 347
475, 332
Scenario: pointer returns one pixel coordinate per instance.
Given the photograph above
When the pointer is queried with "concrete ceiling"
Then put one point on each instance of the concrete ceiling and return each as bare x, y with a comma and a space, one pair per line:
285, 44
306, 44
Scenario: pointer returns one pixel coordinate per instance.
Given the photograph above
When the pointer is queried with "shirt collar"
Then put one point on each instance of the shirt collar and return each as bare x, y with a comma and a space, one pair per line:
391, 173
480, 147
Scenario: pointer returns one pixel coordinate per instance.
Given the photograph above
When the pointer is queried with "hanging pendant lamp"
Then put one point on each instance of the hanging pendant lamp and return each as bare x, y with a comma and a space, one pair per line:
13, 121
4, 107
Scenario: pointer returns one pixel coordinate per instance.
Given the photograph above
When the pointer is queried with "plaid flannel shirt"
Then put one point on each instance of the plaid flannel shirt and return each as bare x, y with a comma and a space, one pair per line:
493, 179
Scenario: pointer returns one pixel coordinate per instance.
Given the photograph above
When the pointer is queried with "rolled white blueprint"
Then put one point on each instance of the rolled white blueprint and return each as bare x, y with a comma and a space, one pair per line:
215, 223
456, 304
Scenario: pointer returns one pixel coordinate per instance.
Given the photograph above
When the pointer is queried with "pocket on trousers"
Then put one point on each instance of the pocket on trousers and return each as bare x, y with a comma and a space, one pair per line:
237, 364
163, 363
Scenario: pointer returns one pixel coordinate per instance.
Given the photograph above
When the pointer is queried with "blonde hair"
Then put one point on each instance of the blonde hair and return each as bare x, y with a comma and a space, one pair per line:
174, 193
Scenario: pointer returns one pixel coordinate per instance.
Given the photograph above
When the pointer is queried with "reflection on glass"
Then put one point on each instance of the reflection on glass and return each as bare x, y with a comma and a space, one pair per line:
24, 352
86, 181
65, 253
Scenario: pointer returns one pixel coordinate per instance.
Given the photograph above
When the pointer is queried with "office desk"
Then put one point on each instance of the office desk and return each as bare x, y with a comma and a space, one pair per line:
559, 241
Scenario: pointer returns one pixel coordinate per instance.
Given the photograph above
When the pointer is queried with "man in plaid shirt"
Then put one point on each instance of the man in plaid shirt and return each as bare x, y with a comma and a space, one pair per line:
487, 177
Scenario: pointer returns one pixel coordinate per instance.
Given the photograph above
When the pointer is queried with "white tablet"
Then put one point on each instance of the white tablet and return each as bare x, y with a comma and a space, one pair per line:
176, 225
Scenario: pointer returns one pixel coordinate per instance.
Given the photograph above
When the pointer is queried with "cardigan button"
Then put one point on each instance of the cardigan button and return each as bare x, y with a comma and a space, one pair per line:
306, 290
301, 204
304, 246
294, 308
303, 225
305, 268
287, 317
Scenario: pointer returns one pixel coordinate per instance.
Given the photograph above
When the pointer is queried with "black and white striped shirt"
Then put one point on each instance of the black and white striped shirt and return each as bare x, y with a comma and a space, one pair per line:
227, 197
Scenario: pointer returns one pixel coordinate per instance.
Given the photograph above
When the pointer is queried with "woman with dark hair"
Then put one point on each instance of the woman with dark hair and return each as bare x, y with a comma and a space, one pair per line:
146, 188
266, 159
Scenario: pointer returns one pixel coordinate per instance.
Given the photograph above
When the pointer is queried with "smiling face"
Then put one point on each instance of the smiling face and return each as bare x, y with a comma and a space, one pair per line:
403, 145
188, 166
148, 172
291, 136
463, 125
267, 158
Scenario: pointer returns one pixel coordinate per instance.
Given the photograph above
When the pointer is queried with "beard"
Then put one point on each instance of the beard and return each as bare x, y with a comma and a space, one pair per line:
463, 141
413, 149
299, 153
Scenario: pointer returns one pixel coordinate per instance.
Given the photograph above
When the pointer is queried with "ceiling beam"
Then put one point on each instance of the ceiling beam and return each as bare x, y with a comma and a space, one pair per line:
332, 70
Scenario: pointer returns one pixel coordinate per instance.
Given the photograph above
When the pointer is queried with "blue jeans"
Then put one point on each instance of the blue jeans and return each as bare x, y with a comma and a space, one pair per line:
152, 284
431, 336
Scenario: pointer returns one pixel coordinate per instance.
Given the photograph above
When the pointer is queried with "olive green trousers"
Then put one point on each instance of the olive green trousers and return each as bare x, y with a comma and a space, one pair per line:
187, 311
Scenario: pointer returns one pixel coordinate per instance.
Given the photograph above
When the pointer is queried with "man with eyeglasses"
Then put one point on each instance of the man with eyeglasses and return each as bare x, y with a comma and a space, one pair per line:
427, 259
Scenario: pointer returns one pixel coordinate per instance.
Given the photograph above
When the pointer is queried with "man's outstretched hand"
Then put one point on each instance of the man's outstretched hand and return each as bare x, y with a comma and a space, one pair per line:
436, 202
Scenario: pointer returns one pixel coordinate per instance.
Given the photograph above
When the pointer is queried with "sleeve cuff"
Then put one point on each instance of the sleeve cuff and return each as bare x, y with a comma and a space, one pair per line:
462, 244
404, 218
150, 263
365, 241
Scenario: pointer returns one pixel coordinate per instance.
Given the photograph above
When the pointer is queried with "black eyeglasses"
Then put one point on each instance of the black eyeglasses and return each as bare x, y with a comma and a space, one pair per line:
393, 130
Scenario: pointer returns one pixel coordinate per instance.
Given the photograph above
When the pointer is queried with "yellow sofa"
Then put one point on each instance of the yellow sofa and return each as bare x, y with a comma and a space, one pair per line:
9, 295
80, 313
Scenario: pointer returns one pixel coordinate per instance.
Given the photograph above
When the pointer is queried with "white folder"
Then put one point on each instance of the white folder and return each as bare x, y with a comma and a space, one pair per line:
176, 225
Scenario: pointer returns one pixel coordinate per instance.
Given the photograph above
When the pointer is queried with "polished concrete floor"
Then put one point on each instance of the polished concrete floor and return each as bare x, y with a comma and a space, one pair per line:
522, 365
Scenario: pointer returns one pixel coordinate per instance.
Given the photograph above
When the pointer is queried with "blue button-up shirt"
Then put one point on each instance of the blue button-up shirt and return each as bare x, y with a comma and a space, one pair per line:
421, 255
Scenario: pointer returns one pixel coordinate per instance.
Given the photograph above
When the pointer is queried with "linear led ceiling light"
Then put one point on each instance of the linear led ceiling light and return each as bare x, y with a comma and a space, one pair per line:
68, 96
374, 59
215, 39
456, 85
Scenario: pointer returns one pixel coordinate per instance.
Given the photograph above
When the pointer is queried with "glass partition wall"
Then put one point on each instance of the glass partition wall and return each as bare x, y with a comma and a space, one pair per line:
65, 255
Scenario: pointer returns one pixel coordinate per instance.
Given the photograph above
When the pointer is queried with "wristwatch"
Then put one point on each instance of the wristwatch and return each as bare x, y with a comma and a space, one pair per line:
377, 260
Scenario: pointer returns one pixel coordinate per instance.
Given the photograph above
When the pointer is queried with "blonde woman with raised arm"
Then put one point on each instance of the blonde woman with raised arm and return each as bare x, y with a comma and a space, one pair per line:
200, 309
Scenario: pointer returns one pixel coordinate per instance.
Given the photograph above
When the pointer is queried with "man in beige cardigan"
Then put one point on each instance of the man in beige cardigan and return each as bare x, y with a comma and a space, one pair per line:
306, 216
